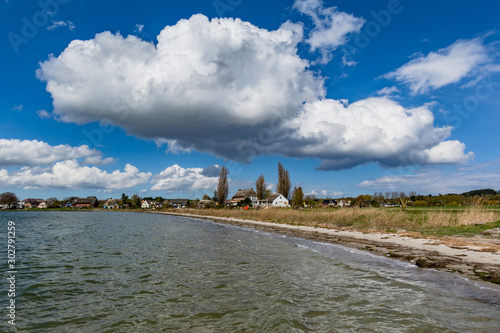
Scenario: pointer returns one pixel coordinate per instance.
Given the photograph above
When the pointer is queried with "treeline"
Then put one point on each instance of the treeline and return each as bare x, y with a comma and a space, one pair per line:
378, 199
485, 196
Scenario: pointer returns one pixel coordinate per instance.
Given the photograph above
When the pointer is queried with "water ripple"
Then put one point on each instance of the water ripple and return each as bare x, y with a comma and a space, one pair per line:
123, 272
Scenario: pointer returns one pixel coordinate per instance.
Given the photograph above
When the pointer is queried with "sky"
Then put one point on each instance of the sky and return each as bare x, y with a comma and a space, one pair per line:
100, 98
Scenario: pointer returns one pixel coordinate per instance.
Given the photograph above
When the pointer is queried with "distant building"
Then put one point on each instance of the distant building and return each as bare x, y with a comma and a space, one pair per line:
14, 205
244, 194
179, 203
147, 204
336, 203
84, 202
343, 203
206, 203
112, 204
275, 200
32, 203
329, 203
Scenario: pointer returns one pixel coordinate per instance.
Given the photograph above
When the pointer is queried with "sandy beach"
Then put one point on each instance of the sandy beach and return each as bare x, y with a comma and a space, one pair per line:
476, 258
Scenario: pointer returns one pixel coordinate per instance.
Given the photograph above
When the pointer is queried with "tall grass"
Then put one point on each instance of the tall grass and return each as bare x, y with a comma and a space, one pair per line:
476, 213
360, 218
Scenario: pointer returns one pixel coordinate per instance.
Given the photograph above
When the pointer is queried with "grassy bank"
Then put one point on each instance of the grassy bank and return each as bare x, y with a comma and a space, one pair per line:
436, 222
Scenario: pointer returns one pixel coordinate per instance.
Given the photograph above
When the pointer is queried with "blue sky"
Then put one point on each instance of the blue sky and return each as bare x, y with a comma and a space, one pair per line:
353, 97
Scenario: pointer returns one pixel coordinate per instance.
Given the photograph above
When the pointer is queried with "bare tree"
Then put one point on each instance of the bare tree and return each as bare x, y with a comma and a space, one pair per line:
223, 186
284, 184
260, 187
8, 198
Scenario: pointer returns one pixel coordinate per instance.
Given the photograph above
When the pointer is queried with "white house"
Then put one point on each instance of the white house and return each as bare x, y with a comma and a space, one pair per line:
275, 200
343, 203
146, 204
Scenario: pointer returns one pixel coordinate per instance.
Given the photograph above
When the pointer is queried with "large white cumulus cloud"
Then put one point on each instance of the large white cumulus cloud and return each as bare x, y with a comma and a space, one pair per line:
205, 84
69, 174
374, 129
33, 152
214, 86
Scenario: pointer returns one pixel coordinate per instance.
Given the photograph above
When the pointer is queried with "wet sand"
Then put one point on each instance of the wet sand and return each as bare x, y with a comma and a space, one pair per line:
476, 262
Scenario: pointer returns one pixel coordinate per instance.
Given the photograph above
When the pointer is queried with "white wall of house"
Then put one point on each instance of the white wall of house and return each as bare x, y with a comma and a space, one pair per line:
255, 201
280, 201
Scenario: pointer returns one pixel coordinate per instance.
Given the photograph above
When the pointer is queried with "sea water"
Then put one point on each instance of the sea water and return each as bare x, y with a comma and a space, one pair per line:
131, 272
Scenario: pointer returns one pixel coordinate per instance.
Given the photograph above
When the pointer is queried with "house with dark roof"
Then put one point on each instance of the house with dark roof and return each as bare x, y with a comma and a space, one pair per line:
329, 203
85, 202
179, 203
244, 194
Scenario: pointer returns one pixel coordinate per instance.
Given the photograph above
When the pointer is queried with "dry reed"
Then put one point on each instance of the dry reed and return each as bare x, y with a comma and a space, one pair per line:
360, 218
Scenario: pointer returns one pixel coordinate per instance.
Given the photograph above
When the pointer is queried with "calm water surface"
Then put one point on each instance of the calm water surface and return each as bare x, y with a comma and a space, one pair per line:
126, 272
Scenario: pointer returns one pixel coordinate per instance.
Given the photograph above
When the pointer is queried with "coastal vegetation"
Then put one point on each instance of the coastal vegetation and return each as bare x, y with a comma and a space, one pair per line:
471, 220
463, 214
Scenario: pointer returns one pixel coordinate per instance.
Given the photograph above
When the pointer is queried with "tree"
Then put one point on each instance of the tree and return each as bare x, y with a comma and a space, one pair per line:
284, 184
359, 201
311, 200
124, 199
223, 186
298, 197
8, 198
245, 202
260, 187
206, 197
136, 201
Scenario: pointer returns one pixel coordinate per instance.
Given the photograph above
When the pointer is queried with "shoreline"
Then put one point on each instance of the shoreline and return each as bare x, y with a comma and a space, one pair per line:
471, 262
